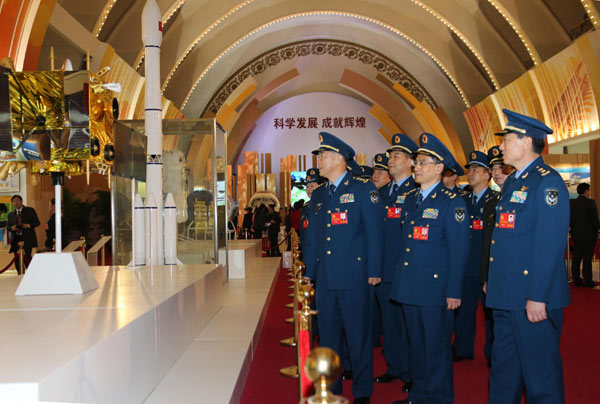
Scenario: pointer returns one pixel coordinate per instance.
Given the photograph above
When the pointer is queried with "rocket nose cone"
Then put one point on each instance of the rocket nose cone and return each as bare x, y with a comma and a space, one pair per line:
170, 201
138, 203
150, 200
151, 24
68, 66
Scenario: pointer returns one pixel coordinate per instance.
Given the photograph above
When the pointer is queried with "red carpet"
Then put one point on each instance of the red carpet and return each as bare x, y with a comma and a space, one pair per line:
581, 335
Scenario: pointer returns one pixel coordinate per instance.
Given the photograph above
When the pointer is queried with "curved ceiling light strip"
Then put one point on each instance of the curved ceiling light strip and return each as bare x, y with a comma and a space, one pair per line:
172, 10
200, 37
335, 13
165, 19
103, 16
535, 57
460, 35
591, 11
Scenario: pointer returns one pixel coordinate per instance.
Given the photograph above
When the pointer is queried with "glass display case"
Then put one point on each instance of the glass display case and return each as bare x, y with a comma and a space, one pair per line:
194, 171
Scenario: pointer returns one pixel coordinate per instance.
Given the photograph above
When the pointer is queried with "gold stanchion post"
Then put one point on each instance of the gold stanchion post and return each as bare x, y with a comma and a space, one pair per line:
82, 238
322, 367
102, 253
21, 253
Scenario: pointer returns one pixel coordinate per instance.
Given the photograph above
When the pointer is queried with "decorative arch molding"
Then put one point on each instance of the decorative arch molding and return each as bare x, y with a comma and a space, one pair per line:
319, 47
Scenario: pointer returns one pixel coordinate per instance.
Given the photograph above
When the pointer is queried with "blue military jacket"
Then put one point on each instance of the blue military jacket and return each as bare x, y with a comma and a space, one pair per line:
434, 251
528, 242
347, 229
303, 225
476, 230
394, 212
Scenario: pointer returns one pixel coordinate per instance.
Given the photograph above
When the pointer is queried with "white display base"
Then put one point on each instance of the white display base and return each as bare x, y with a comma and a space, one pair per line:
215, 367
112, 345
65, 273
244, 255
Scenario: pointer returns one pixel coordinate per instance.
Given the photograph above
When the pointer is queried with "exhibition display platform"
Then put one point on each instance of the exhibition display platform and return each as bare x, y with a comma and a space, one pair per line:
111, 345
244, 255
215, 367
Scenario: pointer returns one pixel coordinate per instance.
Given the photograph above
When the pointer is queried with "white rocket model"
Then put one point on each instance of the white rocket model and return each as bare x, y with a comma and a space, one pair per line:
170, 223
139, 233
152, 38
152, 237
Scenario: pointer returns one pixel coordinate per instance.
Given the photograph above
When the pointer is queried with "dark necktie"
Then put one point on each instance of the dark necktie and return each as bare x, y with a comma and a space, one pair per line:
395, 188
419, 199
474, 200
331, 189
19, 221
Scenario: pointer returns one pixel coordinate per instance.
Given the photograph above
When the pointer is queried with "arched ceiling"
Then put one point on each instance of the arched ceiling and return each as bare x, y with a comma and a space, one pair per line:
459, 51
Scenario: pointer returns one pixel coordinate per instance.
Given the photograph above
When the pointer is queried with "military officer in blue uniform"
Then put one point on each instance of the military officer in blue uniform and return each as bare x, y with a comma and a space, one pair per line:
499, 172
381, 175
430, 273
313, 179
345, 259
527, 281
465, 320
393, 195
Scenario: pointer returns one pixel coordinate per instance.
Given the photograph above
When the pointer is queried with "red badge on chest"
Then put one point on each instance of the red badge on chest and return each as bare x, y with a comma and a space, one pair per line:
420, 233
394, 213
305, 223
507, 220
339, 218
477, 224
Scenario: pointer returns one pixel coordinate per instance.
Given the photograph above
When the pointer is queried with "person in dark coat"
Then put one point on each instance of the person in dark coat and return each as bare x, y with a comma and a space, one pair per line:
51, 228
22, 223
273, 223
258, 224
584, 232
247, 223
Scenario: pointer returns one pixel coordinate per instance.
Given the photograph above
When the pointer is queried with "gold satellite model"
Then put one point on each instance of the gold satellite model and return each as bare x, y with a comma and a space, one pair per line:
55, 121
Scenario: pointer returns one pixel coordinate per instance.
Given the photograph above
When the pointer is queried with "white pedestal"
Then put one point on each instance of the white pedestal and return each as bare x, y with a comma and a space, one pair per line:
57, 274
244, 255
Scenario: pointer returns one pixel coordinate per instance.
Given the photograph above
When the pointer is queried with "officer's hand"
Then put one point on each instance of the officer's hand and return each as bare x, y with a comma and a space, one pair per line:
374, 281
484, 288
536, 311
453, 303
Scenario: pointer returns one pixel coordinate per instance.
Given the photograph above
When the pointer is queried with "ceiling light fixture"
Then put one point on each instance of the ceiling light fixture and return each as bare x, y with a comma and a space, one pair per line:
334, 13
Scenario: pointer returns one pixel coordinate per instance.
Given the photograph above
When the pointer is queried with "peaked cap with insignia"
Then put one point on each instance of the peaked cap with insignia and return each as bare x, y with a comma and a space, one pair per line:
525, 125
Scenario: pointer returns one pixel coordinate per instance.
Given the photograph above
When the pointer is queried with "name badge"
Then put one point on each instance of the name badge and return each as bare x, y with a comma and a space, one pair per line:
305, 223
347, 198
420, 233
400, 198
477, 224
339, 218
430, 213
518, 196
507, 220
394, 213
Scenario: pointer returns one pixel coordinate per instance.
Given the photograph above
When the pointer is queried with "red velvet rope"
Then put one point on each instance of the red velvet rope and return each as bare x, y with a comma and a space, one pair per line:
9, 264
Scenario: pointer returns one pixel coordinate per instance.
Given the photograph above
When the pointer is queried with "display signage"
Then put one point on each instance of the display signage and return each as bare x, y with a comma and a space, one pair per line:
312, 122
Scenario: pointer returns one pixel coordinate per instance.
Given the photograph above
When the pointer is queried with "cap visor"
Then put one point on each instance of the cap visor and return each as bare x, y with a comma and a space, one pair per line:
470, 163
504, 132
